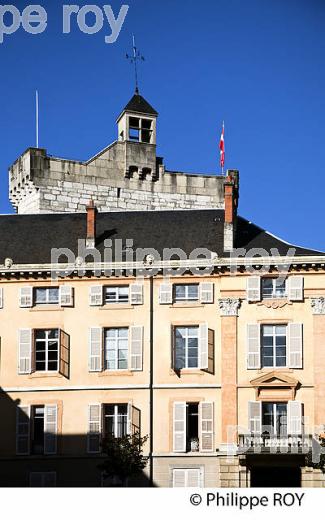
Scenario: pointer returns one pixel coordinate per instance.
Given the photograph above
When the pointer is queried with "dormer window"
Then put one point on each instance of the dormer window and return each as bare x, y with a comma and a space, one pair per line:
140, 130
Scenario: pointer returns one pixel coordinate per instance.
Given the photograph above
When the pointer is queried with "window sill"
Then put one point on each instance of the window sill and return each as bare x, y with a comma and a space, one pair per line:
114, 373
274, 369
116, 306
187, 305
42, 375
187, 371
52, 308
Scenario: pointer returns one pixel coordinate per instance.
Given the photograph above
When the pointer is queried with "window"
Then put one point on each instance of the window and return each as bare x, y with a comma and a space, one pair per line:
186, 347
116, 294
116, 420
116, 348
42, 479
183, 293
273, 288
188, 477
274, 418
47, 350
274, 340
140, 129
193, 428
36, 429
46, 295
192, 419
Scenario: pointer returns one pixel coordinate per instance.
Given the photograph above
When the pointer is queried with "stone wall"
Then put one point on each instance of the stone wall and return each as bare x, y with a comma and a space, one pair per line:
39, 183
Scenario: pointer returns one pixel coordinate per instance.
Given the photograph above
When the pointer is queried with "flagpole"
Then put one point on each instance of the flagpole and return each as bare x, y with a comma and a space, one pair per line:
37, 116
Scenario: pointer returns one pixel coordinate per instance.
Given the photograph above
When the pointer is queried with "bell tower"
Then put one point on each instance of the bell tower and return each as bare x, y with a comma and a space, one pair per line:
137, 129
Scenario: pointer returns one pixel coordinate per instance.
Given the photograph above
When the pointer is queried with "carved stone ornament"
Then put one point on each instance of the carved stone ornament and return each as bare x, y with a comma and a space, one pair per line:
274, 304
229, 306
318, 305
8, 263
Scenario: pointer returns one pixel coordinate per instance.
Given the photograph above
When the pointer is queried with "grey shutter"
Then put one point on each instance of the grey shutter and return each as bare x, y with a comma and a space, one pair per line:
133, 420
179, 478
136, 347
206, 292
253, 346
211, 348
179, 427
255, 417
50, 428
295, 345
253, 289
94, 428
295, 426
193, 478
96, 295
66, 296
22, 430
295, 286
1, 297
206, 426
26, 297
166, 294
24, 351
136, 294
64, 368
95, 349
203, 346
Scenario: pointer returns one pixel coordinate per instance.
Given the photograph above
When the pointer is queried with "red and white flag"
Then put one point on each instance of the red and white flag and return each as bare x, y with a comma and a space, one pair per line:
222, 147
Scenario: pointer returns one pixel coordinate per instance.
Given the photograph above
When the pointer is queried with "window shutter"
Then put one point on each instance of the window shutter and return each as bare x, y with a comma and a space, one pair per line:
50, 429
206, 426
1, 297
136, 348
96, 295
26, 297
95, 349
253, 346
179, 427
179, 478
295, 345
66, 296
22, 430
64, 354
193, 478
203, 347
133, 420
296, 288
25, 351
295, 418
253, 289
94, 428
206, 292
136, 294
166, 294
255, 417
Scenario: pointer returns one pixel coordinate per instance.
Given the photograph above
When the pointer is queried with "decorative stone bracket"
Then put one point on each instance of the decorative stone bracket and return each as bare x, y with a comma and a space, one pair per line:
229, 306
318, 305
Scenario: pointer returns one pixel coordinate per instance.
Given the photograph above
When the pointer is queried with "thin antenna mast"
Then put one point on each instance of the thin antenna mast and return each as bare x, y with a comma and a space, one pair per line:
134, 59
37, 117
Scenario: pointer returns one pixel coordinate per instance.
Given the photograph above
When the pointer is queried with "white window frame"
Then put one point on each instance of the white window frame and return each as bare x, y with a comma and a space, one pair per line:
197, 327
274, 296
47, 300
116, 289
115, 416
116, 349
274, 336
186, 471
47, 340
274, 426
186, 298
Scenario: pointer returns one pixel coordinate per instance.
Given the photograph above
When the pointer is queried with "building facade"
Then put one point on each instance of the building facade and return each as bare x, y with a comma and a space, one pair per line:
180, 320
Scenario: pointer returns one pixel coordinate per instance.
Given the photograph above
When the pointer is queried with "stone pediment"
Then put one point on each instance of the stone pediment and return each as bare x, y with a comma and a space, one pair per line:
275, 379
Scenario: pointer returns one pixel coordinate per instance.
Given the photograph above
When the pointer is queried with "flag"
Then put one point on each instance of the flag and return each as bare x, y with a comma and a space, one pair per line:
222, 147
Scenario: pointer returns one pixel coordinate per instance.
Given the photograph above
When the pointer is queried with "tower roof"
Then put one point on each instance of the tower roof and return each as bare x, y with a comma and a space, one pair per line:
140, 105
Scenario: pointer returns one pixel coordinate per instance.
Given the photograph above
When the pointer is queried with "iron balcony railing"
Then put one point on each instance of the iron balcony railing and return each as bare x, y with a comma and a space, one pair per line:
268, 443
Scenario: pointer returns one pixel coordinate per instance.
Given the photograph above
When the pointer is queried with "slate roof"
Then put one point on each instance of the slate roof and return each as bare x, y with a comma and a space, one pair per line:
139, 104
28, 239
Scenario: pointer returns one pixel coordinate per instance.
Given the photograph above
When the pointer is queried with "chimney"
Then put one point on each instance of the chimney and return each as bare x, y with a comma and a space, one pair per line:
91, 225
231, 193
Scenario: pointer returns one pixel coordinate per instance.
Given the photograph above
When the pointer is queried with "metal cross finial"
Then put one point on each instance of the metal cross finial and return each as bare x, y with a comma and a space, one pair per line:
136, 56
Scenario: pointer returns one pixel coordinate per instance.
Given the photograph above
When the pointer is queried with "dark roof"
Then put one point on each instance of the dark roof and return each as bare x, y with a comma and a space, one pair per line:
28, 239
140, 105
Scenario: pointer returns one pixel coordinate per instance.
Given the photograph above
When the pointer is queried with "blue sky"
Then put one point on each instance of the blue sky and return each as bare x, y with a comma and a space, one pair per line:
257, 64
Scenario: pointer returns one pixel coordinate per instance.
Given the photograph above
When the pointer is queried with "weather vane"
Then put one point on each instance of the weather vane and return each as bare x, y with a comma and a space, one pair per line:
134, 59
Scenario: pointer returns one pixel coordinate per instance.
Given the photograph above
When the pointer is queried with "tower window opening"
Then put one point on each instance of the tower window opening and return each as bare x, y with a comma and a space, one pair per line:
134, 130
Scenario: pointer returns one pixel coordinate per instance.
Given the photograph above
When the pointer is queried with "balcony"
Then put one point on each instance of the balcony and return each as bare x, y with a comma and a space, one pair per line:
266, 443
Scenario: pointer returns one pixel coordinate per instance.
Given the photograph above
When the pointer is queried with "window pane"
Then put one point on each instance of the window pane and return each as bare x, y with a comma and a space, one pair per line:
53, 295
179, 291
280, 330
267, 330
193, 291
40, 295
